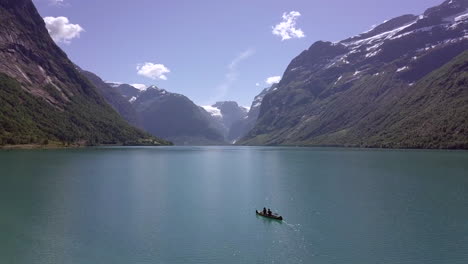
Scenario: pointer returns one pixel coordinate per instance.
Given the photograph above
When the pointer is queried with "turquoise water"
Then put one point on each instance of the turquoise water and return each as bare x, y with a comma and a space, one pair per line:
197, 205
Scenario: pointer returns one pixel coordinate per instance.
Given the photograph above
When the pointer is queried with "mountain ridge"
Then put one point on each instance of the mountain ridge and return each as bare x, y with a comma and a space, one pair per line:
176, 117
331, 88
44, 97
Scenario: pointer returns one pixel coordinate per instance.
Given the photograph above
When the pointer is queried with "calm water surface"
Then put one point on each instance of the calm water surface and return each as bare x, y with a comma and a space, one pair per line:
197, 205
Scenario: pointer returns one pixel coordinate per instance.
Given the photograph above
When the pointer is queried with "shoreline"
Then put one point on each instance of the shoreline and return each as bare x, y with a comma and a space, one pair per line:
37, 146
70, 146
78, 146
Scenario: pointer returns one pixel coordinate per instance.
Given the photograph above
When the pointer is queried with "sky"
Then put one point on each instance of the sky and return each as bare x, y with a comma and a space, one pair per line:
208, 50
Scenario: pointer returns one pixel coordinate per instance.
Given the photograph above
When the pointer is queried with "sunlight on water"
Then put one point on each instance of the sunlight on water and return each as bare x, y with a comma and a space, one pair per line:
197, 205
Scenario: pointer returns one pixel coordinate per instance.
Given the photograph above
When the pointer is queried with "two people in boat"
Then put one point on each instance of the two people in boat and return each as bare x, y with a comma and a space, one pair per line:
265, 212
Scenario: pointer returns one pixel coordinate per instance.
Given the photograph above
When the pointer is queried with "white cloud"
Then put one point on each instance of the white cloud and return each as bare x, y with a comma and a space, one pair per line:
257, 84
56, 2
140, 86
153, 71
273, 79
242, 56
287, 28
232, 74
61, 30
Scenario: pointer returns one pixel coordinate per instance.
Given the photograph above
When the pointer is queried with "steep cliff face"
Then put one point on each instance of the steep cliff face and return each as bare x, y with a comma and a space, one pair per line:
343, 93
243, 126
43, 96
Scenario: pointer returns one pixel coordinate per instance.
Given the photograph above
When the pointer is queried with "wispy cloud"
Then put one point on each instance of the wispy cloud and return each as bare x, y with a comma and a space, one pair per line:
232, 73
61, 30
153, 71
57, 2
286, 29
272, 80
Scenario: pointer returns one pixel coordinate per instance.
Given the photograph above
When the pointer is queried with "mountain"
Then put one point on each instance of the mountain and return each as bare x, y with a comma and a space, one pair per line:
402, 84
226, 113
43, 97
175, 117
114, 98
129, 92
242, 126
231, 112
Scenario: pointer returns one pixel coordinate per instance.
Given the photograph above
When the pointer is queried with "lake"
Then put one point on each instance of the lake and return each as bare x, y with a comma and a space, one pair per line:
197, 205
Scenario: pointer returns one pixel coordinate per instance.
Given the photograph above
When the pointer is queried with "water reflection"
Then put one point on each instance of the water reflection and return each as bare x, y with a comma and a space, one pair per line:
196, 205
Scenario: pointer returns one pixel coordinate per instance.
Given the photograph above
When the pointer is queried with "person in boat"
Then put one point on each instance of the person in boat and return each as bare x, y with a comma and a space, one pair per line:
269, 212
264, 211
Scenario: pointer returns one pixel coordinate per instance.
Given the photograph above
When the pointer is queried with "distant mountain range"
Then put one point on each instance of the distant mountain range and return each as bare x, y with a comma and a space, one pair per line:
403, 84
177, 118
44, 97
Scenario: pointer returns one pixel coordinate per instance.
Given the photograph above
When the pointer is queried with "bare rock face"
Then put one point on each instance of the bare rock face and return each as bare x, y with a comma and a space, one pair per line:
30, 56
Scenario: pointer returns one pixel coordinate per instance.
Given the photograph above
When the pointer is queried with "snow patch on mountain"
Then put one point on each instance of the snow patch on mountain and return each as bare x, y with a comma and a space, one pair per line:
139, 86
114, 84
402, 69
258, 101
372, 54
213, 111
339, 78
424, 29
457, 17
461, 17
378, 39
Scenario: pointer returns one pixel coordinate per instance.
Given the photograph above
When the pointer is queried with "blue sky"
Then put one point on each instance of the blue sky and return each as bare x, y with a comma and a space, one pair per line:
214, 50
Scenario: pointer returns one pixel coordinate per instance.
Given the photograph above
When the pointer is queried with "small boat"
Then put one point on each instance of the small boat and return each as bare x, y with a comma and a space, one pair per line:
272, 216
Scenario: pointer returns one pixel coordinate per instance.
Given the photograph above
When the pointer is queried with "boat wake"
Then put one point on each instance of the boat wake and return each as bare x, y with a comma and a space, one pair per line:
294, 227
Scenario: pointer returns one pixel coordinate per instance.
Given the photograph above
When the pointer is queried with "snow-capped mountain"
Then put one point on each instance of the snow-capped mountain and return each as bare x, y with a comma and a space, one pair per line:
226, 114
355, 91
213, 111
171, 115
244, 125
128, 91
113, 97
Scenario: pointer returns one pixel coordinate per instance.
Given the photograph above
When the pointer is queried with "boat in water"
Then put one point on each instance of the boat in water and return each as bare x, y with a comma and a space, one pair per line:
272, 216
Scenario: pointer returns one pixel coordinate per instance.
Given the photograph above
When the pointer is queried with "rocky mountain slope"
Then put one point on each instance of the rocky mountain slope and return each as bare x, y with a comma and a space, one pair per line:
402, 84
114, 98
226, 114
242, 126
129, 92
43, 97
175, 117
